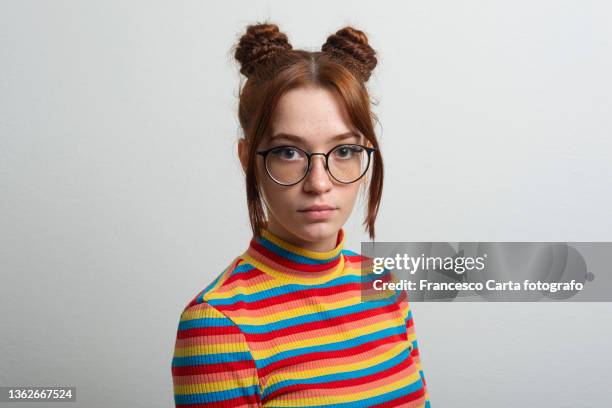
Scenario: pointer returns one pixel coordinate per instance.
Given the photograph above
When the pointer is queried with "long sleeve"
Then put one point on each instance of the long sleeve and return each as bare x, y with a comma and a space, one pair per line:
416, 357
212, 365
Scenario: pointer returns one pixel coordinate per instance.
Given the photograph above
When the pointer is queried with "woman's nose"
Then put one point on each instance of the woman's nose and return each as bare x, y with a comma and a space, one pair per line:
318, 178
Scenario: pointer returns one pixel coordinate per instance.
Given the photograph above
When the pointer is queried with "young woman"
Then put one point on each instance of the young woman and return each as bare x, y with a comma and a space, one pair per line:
287, 323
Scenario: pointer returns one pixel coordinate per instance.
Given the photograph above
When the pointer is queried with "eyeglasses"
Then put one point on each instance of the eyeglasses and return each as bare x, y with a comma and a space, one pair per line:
288, 165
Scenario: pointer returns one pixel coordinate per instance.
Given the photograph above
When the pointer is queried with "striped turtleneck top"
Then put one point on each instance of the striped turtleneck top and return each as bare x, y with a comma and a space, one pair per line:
282, 326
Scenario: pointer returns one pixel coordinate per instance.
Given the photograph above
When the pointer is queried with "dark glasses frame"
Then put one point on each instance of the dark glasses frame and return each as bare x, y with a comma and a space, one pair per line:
264, 154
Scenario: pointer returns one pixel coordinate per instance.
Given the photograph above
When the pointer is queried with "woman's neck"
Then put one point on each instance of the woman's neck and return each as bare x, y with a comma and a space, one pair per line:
323, 244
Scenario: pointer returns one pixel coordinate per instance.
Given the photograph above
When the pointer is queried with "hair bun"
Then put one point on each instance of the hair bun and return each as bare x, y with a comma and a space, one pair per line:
259, 45
351, 47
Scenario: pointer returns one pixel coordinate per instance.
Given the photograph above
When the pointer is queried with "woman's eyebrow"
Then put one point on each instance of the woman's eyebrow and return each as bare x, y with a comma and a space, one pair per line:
295, 138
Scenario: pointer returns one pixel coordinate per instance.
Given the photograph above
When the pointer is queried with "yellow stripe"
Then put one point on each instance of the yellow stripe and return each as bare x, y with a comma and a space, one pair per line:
301, 251
292, 313
192, 314
343, 368
225, 274
296, 279
353, 396
254, 289
275, 317
322, 340
202, 349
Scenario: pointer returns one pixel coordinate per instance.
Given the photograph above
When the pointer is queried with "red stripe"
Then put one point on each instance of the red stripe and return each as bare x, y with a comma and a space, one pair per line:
212, 368
293, 296
282, 260
356, 258
322, 355
328, 323
413, 396
195, 301
244, 276
251, 400
207, 331
345, 383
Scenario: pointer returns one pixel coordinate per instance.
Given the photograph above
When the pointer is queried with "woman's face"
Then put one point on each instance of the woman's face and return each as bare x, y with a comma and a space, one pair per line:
315, 120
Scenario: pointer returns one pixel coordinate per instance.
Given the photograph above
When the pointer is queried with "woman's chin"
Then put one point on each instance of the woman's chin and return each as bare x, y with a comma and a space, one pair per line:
316, 231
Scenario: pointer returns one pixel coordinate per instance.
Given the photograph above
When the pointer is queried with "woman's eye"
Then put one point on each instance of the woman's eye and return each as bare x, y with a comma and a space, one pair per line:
286, 153
347, 152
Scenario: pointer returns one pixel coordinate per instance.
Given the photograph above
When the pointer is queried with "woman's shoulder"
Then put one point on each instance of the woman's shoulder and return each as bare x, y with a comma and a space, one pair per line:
226, 282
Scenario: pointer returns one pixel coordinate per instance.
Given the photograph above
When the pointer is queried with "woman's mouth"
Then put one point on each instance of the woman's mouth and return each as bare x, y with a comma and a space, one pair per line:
318, 212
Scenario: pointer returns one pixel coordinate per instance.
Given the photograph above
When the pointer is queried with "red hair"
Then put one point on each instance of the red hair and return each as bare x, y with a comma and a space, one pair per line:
273, 67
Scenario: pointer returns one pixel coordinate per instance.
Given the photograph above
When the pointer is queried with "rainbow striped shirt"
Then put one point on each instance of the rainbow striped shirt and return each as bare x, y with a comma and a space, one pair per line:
285, 327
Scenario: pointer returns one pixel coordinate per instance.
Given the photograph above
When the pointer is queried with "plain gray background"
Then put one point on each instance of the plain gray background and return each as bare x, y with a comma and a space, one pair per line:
121, 195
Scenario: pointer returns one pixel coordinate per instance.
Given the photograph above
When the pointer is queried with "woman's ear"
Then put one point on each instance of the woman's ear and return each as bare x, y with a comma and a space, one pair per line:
243, 152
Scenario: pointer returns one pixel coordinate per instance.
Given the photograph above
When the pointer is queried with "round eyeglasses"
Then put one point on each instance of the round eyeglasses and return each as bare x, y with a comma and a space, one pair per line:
288, 165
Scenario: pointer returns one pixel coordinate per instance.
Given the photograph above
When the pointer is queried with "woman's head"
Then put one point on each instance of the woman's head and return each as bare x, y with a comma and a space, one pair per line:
313, 101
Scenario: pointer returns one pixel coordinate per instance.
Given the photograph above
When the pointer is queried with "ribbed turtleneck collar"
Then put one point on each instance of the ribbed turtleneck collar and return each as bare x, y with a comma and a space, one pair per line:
286, 261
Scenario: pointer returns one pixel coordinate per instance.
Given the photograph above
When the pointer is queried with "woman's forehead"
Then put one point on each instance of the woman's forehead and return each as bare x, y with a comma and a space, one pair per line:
310, 104
317, 115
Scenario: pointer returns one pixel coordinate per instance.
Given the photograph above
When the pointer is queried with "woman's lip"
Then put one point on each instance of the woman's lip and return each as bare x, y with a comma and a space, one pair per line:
318, 214
319, 208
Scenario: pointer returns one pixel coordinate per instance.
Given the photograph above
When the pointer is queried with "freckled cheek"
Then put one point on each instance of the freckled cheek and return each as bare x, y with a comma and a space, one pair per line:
347, 195
345, 199
282, 200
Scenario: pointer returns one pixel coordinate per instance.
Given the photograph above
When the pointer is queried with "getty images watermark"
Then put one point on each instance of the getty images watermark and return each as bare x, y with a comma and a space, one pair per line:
489, 271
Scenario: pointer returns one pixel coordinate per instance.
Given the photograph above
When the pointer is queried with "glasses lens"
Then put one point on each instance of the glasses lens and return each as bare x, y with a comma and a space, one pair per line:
287, 165
348, 163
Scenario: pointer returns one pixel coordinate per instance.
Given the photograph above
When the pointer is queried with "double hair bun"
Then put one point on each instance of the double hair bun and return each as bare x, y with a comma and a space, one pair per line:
264, 45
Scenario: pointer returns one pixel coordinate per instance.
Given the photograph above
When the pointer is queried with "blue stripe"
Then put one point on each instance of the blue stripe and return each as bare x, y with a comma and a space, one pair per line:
288, 289
208, 288
408, 316
349, 252
215, 396
204, 322
203, 359
245, 267
340, 345
294, 256
342, 376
